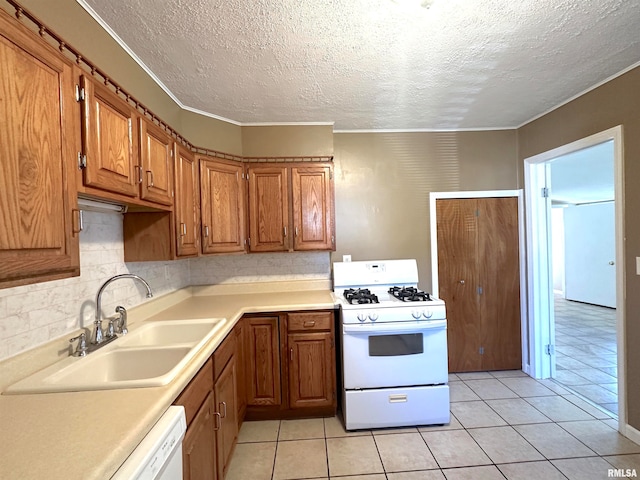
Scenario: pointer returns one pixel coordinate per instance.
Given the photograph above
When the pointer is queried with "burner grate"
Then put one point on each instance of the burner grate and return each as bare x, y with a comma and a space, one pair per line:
410, 294
360, 296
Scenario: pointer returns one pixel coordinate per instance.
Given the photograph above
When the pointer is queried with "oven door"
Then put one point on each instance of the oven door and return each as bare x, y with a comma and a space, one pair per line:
394, 354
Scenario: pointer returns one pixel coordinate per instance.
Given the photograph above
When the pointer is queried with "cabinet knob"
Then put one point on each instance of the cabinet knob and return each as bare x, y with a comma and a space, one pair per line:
461, 282
612, 262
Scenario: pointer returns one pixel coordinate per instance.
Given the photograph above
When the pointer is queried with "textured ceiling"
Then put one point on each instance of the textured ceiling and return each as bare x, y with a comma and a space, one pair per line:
377, 64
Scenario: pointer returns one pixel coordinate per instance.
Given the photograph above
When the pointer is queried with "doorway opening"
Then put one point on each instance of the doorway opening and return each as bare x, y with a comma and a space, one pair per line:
554, 332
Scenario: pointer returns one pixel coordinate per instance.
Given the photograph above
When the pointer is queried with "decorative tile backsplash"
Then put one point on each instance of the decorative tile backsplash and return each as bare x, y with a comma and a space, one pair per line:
35, 314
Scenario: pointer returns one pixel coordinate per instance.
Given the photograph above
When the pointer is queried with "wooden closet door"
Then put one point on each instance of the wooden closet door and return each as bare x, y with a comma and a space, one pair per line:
499, 277
458, 281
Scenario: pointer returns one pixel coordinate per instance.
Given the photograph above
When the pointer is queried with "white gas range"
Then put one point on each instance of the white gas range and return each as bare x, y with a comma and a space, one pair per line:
394, 346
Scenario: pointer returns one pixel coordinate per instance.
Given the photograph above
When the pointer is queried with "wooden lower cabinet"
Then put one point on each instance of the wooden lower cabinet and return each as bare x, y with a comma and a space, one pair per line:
290, 365
311, 378
226, 405
199, 445
263, 361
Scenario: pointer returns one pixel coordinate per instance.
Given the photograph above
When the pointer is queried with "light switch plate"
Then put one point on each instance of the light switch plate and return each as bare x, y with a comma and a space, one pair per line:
347, 258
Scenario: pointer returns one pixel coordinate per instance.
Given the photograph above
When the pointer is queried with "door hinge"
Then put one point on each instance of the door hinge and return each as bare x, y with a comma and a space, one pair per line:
79, 93
549, 349
544, 192
82, 161
481, 351
480, 290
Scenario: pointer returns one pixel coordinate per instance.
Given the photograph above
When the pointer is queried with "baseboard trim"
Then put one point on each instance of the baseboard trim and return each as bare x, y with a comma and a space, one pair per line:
632, 433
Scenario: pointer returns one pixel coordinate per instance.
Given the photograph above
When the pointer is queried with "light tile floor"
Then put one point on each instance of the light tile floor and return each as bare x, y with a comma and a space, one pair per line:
586, 351
504, 425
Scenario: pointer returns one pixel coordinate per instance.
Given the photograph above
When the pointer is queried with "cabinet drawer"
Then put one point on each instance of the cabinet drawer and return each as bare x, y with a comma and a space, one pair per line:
223, 353
196, 392
306, 321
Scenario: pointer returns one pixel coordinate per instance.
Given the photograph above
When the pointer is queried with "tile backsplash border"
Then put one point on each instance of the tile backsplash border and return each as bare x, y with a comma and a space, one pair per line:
33, 315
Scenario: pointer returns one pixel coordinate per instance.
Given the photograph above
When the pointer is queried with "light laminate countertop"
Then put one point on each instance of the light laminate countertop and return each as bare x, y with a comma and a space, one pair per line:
88, 435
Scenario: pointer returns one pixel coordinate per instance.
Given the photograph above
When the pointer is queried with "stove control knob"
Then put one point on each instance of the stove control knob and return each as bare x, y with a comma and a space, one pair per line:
415, 314
362, 317
427, 314
373, 317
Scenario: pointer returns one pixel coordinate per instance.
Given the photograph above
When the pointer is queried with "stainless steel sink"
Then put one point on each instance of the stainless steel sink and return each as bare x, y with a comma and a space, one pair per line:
151, 355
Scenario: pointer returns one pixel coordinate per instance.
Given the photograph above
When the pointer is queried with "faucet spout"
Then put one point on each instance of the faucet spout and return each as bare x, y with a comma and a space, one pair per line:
97, 336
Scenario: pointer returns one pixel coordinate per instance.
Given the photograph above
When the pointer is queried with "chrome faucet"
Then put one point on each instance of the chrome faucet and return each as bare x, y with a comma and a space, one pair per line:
98, 336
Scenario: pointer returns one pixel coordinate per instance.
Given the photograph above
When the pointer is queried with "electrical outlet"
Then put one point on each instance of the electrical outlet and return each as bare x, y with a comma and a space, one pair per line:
637, 265
346, 258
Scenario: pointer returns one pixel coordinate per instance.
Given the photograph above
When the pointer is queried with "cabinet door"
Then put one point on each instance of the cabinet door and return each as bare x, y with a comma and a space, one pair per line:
458, 281
186, 203
222, 208
263, 361
199, 445
37, 148
108, 140
156, 163
227, 407
268, 209
241, 370
311, 370
499, 267
312, 208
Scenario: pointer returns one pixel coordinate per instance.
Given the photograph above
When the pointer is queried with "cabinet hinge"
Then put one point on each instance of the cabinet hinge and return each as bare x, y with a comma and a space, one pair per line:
82, 161
171, 153
477, 212
333, 240
480, 290
481, 351
549, 349
544, 192
79, 94
330, 175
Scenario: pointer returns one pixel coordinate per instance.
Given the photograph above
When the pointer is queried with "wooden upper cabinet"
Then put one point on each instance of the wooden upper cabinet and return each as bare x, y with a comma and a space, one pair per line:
108, 124
186, 203
222, 206
313, 210
269, 229
37, 141
156, 150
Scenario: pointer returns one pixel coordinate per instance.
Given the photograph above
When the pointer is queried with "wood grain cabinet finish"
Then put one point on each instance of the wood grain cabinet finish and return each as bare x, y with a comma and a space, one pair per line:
313, 212
312, 366
479, 279
225, 391
37, 141
291, 207
222, 206
186, 207
156, 164
199, 446
269, 229
108, 140
262, 361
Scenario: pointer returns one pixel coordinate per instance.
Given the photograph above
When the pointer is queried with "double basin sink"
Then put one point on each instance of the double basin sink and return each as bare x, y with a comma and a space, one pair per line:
151, 355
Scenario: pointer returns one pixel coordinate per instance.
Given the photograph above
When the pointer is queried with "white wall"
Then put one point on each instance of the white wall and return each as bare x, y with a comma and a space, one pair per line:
35, 314
557, 248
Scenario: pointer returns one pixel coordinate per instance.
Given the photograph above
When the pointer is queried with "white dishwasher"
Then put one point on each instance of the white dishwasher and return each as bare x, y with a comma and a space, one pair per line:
159, 454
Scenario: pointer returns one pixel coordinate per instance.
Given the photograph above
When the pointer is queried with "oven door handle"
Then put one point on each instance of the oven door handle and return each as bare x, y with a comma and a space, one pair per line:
391, 328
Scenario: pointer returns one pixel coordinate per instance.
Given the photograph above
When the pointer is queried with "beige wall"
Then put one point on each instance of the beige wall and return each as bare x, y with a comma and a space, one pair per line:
615, 103
287, 140
208, 132
383, 180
